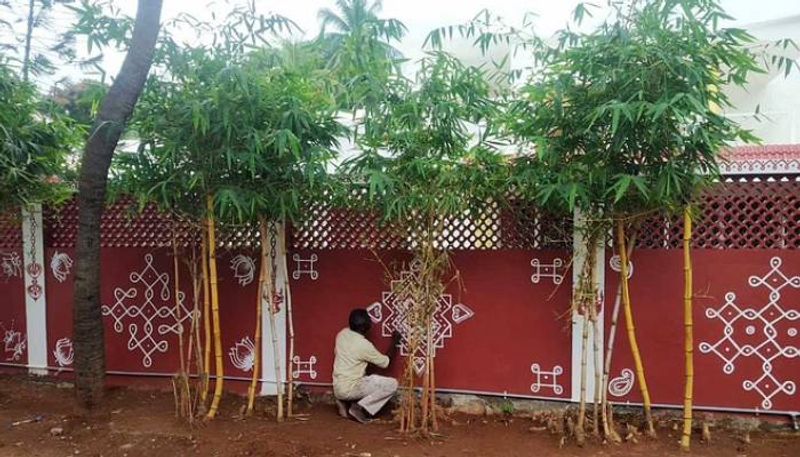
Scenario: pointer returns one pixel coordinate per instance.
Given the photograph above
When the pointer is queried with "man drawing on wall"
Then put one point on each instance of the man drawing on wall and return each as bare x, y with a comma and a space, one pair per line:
352, 355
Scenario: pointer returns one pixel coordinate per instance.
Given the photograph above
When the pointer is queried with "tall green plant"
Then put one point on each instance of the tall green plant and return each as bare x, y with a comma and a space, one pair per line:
627, 120
427, 161
232, 137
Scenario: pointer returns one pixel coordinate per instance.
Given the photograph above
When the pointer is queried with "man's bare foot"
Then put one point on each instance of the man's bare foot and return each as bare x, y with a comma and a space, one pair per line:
358, 413
342, 408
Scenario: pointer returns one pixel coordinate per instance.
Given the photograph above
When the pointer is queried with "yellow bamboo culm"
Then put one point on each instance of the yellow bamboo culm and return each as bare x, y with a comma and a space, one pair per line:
219, 372
206, 319
262, 277
688, 326
287, 292
626, 303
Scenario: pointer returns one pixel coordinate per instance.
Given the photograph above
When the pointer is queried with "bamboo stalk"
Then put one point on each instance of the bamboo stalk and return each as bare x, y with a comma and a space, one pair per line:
626, 301
586, 296
206, 380
598, 373
607, 410
290, 318
183, 381
251, 391
194, 334
272, 325
426, 380
688, 330
434, 418
212, 267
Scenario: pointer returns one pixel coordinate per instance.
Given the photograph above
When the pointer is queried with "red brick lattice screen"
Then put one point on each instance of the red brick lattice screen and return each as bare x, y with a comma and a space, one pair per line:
746, 214
735, 215
10, 232
123, 226
492, 228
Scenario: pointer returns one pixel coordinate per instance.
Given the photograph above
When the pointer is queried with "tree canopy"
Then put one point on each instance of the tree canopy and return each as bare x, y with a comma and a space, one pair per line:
34, 143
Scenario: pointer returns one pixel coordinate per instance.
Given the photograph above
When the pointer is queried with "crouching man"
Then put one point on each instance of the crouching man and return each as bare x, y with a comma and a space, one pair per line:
352, 354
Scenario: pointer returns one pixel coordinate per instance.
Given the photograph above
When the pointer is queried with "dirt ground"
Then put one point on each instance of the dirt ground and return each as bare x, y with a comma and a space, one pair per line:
142, 423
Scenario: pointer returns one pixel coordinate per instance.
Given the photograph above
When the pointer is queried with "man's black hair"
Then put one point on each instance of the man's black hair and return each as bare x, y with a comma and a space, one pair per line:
360, 321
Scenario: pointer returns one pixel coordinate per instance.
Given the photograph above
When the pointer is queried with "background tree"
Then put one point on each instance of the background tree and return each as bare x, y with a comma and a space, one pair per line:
426, 161
356, 45
34, 143
115, 110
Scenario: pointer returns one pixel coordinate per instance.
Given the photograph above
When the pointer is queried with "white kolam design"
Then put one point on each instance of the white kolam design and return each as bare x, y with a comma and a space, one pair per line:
10, 265
244, 269
622, 384
554, 271
61, 265
766, 330
305, 267
14, 343
547, 379
615, 262
63, 352
243, 354
304, 367
393, 314
146, 310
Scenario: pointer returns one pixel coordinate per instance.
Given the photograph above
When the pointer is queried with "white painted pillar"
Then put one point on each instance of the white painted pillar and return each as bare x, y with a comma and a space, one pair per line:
579, 258
269, 384
35, 300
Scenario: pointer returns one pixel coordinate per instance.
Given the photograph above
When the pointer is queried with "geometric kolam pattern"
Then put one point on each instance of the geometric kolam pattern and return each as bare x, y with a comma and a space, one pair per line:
148, 311
553, 270
548, 379
762, 327
304, 367
398, 303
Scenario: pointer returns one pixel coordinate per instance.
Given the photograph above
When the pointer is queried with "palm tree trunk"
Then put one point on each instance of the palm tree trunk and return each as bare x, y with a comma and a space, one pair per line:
688, 330
290, 318
115, 111
626, 301
26, 58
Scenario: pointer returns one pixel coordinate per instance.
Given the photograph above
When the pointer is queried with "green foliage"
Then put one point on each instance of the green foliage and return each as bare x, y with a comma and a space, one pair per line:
356, 46
80, 101
627, 118
427, 149
34, 144
223, 121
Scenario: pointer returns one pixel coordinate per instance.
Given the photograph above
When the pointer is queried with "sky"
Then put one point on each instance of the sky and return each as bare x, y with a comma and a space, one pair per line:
420, 16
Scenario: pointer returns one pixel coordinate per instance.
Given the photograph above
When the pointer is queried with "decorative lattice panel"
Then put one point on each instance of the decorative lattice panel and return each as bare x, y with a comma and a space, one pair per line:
10, 231
746, 214
123, 226
490, 229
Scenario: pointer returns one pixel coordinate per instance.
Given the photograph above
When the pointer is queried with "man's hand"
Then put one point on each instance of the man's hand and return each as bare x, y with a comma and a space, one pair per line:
392, 353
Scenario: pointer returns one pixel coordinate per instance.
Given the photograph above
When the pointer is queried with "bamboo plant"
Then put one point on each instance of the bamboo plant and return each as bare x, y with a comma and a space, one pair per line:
422, 168
227, 142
